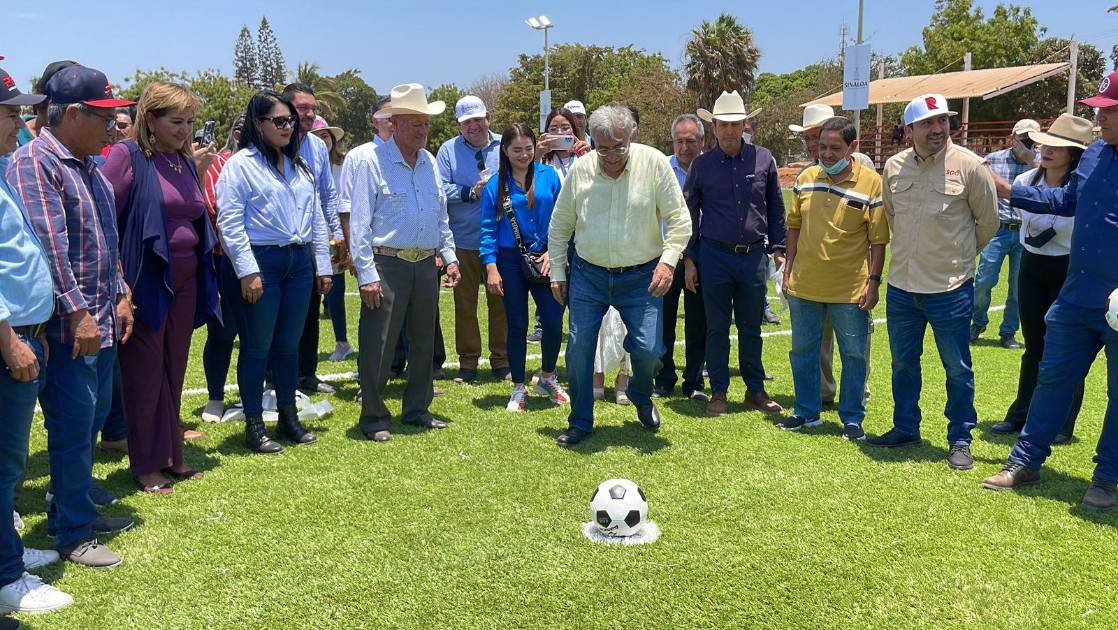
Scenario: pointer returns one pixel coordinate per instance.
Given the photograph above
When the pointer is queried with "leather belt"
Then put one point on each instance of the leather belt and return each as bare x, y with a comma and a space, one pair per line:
735, 247
1013, 227
33, 330
413, 254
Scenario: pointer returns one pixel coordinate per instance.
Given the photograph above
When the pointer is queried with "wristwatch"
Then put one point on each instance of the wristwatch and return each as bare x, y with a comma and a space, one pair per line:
876, 279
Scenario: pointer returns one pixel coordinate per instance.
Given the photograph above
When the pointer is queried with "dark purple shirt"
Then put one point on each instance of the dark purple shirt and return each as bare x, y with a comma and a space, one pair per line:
182, 196
735, 199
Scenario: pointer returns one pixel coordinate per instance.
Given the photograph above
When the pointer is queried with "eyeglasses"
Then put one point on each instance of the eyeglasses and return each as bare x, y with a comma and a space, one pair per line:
306, 109
122, 125
618, 150
110, 121
281, 122
560, 129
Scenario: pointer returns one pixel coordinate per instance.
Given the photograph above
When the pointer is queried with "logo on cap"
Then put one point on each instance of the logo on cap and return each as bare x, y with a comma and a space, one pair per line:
1105, 85
108, 89
9, 82
930, 101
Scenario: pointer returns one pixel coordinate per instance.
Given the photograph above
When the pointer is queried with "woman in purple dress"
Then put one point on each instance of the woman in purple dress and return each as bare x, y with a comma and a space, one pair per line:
166, 250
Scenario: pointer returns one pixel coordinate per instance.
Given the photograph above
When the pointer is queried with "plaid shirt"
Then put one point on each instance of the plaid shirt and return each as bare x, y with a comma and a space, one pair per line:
1005, 164
71, 208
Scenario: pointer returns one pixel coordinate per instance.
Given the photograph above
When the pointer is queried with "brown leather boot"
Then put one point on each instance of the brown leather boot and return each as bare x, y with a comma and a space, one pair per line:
1014, 475
761, 402
718, 405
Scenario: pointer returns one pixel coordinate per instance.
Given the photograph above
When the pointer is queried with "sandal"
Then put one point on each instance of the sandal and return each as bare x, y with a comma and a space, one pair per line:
165, 487
186, 475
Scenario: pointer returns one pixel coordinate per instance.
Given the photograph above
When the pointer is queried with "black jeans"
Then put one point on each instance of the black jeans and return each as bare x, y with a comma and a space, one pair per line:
694, 336
1039, 283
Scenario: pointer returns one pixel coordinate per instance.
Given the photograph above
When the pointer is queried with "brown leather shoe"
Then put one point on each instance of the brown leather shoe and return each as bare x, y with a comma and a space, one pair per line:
1014, 475
761, 402
718, 405
115, 445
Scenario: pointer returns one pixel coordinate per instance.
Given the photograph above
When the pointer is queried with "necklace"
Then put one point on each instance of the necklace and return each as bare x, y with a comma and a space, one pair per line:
176, 166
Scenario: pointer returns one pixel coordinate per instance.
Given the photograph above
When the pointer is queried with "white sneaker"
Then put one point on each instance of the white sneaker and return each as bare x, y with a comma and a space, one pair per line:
622, 397
516, 401
550, 387
342, 351
38, 558
17, 522
213, 411
30, 595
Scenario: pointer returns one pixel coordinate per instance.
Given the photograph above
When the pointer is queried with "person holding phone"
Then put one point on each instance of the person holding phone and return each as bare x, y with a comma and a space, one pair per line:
561, 141
276, 236
516, 210
166, 249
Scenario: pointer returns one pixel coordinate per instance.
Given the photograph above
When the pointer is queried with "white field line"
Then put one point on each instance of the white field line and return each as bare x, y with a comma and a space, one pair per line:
349, 376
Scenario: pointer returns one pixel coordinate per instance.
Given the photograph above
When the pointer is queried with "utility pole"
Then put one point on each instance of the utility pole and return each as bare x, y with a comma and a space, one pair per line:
858, 112
1073, 74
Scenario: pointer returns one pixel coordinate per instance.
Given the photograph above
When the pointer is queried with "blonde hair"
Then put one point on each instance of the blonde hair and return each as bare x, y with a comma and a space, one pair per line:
159, 99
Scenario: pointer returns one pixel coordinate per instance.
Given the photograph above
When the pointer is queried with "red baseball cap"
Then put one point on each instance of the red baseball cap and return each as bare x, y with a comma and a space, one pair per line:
1108, 93
78, 84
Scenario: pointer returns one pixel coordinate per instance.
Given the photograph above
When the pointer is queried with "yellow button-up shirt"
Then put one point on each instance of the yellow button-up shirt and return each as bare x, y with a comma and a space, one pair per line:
942, 211
617, 222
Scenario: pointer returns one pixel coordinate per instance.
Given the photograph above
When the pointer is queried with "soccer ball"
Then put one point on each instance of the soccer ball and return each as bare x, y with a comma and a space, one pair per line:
618, 507
1112, 310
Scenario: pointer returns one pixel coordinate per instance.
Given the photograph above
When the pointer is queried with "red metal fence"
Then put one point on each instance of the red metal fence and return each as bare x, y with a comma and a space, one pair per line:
881, 143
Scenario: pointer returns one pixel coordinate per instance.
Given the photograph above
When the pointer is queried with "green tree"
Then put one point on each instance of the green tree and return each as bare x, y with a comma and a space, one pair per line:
444, 126
269, 57
246, 69
358, 98
222, 97
659, 95
330, 102
720, 56
780, 96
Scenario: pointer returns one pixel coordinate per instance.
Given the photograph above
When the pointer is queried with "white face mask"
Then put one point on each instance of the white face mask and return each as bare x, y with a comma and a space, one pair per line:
747, 138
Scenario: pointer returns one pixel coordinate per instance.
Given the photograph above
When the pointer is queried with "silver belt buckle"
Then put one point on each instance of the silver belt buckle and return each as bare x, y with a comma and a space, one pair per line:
412, 255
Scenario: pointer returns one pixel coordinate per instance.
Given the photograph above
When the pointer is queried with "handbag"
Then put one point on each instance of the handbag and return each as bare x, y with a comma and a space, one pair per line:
530, 262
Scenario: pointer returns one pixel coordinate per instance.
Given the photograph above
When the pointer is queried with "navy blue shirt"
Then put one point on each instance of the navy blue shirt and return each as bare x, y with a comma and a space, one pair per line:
1091, 196
735, 199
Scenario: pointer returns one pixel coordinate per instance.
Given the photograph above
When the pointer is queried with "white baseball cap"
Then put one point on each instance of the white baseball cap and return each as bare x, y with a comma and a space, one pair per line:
1024, 126
926, 106
576, 107
469, 107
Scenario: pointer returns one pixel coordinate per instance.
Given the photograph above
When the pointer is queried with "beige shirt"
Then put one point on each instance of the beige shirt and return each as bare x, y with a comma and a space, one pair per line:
617, 222
942, 211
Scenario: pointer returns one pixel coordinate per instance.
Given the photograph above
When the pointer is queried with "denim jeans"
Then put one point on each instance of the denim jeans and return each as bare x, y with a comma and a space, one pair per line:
18, 401
274, 324
1004, 244
592, 290
550, 313
852, 329
949, 313
218, 351
76, 400
733, 287
1074, 337
335, 301
116, 428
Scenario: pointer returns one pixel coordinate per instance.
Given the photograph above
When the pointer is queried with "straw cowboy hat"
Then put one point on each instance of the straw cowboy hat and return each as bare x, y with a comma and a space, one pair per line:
814, 116
728, 108
1065, 131
410, 98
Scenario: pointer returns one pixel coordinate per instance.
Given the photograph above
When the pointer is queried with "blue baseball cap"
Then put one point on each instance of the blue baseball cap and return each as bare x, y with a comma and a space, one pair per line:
78, 84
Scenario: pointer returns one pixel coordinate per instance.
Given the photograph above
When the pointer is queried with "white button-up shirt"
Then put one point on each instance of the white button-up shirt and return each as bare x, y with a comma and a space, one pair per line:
393, 205
258, 206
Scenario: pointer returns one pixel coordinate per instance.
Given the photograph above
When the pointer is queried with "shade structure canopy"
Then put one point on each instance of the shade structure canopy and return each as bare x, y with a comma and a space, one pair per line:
985, 84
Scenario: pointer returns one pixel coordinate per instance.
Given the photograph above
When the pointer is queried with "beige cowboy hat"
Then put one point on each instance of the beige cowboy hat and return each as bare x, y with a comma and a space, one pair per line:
410, 98
814, 116
1065, 131
728, 108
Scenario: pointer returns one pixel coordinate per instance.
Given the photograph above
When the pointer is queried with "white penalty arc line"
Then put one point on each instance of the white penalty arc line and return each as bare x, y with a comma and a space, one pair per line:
349, 376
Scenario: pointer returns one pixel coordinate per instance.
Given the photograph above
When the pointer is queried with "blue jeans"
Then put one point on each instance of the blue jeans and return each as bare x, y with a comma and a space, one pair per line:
734, 285
75, 400
1074, 337
218, 351
335, 301
116, 428
1004, 244
274, 324
852, 329
909, 315
592, 290
549, 312
18, 402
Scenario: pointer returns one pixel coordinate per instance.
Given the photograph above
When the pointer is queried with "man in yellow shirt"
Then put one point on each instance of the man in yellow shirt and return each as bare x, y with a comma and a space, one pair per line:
942, 208
836, 216
612, 203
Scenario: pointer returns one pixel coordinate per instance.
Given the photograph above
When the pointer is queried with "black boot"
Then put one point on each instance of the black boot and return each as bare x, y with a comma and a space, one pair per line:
289, 427
257, 439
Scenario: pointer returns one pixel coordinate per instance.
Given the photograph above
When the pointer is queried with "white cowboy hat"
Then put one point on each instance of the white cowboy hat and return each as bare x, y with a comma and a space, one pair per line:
1065, 131
410, 98
814, 116
728, 108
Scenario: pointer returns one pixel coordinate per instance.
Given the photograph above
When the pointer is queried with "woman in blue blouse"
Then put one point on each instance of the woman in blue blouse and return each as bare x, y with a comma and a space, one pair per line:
274, 232
529, 189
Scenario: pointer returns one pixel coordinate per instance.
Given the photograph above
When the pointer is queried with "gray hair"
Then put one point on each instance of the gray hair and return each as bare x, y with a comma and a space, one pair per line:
608, 119
56, 113
691, 118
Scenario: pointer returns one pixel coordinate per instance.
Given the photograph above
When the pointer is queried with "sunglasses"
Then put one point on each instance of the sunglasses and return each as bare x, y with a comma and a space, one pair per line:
122, 125
480, 157
280, 122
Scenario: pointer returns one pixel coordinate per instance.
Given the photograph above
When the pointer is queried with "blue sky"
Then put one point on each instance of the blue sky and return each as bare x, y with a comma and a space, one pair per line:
438, 41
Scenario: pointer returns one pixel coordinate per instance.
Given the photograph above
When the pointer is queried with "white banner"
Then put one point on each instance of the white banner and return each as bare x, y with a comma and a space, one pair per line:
856, 78
545, 107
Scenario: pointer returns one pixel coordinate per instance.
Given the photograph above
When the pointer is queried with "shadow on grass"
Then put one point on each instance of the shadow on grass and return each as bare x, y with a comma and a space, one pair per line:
631, 434
397, 427
497, 402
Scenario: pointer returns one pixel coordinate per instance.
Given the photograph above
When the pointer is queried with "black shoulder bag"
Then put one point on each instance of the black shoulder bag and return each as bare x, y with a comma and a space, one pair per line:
530, 263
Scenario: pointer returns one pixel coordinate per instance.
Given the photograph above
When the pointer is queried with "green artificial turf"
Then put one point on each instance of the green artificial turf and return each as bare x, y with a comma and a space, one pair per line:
478, 526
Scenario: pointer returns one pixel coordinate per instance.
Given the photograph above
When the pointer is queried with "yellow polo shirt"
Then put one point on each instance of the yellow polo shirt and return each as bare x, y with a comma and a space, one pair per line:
617, 222
837, 221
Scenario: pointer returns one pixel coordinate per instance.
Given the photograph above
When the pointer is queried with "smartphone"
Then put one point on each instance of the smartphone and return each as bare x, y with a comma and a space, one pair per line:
208, 132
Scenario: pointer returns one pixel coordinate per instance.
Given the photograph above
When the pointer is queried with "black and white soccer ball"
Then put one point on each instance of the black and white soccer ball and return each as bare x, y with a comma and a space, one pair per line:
618, 507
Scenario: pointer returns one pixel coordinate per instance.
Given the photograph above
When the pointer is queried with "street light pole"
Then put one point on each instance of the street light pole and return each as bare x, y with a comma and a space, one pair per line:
541, 23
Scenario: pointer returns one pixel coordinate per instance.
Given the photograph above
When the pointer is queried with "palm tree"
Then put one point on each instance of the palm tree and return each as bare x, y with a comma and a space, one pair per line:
720, 56
330, 102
